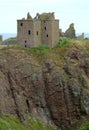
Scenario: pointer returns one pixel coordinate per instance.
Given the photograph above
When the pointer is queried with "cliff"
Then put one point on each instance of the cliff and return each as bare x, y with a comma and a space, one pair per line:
51, 84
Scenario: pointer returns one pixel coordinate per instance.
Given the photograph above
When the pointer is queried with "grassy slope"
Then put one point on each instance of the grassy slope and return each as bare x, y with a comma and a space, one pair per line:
85, 126
11, 123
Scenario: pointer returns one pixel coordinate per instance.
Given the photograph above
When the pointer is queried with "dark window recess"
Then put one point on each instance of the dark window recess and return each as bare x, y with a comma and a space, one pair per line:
47, 35
29, 32
25, 46
21, 24
45, 28
25, 41
37, 33
27, 102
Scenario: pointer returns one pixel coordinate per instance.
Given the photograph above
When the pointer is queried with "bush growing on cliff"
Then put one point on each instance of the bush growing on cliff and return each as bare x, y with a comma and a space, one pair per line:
85, 127
62, 42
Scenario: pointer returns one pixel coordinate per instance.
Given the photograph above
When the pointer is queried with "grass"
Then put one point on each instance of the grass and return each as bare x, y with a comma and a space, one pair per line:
44, 53
41, 47
80, 125
58, 53
36, 124
63, 41
11, 123
85, 126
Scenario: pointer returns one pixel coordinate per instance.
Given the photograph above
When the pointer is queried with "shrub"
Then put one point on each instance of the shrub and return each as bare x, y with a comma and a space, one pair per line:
62, 42
85, 127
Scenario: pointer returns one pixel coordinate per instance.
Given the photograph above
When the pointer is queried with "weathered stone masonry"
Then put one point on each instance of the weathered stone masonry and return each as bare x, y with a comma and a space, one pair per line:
42, 30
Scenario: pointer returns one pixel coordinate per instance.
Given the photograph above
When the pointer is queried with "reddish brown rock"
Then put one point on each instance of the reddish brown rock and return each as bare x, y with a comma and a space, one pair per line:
41, 86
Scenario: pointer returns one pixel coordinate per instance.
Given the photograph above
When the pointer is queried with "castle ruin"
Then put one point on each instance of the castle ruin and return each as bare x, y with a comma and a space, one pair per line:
41, 30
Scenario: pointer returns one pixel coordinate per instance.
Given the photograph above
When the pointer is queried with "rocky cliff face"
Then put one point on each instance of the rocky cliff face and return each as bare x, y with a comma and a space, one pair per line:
51, 85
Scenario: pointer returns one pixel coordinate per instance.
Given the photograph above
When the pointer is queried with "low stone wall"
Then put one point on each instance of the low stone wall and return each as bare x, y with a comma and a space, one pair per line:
10, 41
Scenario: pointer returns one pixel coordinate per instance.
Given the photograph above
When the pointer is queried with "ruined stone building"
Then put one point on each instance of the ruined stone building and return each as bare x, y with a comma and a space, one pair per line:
41, 30
70, 32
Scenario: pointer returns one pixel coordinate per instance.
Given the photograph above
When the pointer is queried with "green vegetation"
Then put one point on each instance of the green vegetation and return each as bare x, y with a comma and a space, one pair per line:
63, 41
11, 123
41, 47
85, 126
36, 124
80, 125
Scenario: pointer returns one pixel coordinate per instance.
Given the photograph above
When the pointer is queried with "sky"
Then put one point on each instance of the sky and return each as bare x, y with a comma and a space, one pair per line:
67, 11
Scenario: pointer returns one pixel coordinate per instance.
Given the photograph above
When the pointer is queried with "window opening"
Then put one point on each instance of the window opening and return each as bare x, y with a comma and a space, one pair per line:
27, 102
45, 28
25, 46
37, 33
29, 32
47, 35
21, 24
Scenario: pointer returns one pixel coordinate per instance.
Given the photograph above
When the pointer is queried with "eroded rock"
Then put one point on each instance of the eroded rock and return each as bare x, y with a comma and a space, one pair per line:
32, 84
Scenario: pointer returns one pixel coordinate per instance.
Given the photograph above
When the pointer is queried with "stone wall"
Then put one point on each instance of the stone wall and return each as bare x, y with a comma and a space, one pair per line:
25, 33
80, 37
37, 33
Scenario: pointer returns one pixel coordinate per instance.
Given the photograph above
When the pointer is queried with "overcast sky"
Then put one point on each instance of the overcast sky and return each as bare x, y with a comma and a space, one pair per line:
67, 11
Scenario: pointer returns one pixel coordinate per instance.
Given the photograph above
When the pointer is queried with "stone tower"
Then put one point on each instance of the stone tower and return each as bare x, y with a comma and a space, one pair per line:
42, 30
